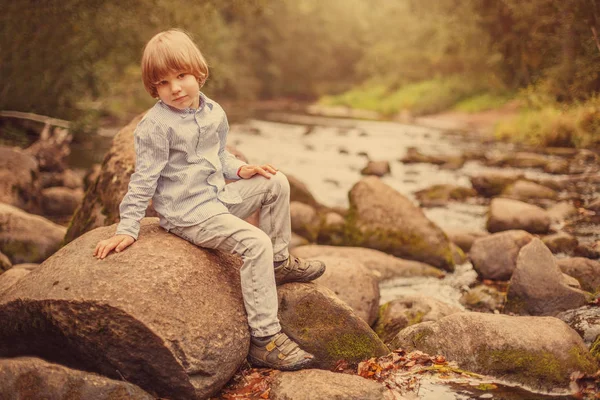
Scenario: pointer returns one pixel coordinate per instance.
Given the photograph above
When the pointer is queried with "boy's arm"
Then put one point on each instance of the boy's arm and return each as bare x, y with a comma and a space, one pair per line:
230, 163
152, 154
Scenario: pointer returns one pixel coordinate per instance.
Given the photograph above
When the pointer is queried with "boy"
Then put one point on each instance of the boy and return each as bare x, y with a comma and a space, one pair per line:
182, 164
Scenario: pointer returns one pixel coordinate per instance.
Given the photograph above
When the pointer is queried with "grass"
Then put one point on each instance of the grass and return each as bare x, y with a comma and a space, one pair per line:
420, 98
575, 125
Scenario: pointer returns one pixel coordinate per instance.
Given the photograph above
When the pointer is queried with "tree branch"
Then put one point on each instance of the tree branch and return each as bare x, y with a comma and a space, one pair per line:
595, 37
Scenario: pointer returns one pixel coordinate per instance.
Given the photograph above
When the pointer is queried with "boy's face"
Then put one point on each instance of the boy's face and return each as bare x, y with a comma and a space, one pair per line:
179, 90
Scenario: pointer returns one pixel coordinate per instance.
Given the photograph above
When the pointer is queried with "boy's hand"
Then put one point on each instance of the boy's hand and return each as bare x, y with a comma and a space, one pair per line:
248, 171
117, 243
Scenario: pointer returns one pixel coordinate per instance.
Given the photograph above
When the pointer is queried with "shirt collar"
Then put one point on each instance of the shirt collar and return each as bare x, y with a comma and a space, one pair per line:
186, 111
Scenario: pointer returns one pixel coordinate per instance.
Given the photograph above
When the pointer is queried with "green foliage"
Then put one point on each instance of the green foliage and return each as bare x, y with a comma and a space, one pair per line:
555, 125
483, 102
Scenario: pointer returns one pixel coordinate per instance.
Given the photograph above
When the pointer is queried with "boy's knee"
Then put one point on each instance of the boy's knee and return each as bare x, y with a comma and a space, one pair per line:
259, 242
282, 182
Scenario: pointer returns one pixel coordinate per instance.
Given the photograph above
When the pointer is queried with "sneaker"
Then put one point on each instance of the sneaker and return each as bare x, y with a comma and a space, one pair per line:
278, 352
295, 269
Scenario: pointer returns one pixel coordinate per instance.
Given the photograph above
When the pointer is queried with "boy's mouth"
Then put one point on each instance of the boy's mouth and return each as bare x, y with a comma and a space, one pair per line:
180, 98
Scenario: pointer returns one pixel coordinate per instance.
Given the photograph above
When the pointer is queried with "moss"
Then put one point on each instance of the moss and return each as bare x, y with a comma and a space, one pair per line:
535, 368
351, 347
22, 251
379, 323
595, 349
415, 318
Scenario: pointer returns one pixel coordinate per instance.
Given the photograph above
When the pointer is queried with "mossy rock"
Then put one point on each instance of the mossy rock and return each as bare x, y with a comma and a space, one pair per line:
325, 326
383, 219
540, 352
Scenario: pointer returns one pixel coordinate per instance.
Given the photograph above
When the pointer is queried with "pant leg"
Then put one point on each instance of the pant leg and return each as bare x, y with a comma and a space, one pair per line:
229, 233
272, 197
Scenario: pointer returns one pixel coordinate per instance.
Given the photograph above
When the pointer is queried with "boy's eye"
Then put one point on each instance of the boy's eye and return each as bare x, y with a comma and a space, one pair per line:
161, 83
180, 76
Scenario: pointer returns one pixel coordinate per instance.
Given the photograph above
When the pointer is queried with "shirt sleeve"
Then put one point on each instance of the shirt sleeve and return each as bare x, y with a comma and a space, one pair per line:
151, 156
229, 162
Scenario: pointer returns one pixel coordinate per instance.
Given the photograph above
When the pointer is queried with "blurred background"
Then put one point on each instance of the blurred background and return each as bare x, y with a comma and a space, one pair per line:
79, 59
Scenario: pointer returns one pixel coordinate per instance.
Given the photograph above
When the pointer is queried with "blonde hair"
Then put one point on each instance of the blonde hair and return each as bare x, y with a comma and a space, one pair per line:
169, 51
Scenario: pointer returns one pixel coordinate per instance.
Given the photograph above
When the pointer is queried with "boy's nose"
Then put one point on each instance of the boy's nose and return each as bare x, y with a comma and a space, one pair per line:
175, 88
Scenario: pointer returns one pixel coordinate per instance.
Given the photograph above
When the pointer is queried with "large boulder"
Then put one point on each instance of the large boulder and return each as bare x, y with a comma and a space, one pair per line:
586, 271
312, 384
540, 352
325, 326
27, 238
100, 205
538, 287
495, 256
506, 214
33, 378
165, 315
354, 284
384, 265
383, 219
19, 180
409, 310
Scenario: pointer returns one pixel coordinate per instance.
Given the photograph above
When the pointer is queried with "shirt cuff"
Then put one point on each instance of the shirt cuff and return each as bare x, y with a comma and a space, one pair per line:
238, 172
128, 227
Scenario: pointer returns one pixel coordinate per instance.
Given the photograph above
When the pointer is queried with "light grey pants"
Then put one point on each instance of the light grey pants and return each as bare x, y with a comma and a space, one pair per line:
257, 247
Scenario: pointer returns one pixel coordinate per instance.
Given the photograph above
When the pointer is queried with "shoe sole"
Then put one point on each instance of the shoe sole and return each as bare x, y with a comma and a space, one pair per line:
293, 367
306, 278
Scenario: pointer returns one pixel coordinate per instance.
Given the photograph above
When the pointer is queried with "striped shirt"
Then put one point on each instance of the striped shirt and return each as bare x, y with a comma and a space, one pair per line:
181, 164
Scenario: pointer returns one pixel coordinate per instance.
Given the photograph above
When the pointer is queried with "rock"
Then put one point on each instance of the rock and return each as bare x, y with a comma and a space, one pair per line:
325, 326
458, 256
440, 195
482, 298
10, 277
409, 310
586, 271
571, 282
91, 176
60, 200
493, 183
67, 178
5, 263
594, 205
165, 315
506, 214
27, 238
558, 166
526, 191
588, 250
525, 160
314, 384
561, 211
584, 161
299, 192
354, 284
297, 241
464, 239
384, 265
413, 156
28, 266
585, 321
540, 352
52, 149
537, 286
19, 180
495, 256
100, 205
383, 219
377, 168
33, 378
560, 242
332, 228
305, 221
453, 163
